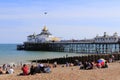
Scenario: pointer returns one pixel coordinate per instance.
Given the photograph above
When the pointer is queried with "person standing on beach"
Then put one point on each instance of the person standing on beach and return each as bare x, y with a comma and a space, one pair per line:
113, 58
55, 64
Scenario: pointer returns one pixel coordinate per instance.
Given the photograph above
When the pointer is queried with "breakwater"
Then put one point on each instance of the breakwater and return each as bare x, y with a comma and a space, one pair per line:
92, 57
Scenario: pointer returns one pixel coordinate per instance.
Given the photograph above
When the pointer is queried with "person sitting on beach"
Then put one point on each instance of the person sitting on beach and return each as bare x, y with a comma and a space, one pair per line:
81, 66
47, 69
1, 71
85, 65
41, 67
10, 71
98, 65
67, 64
94, 65
89, 66
32, 70
105, 65
25, 70
80, 63
71, 64
4, 67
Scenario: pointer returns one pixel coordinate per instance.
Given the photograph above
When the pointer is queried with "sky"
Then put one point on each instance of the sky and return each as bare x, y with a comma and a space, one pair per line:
67, 19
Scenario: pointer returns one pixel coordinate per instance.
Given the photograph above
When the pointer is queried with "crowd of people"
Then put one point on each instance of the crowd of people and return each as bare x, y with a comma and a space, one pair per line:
46, 68
92, 65
40, 68
6, 69
26, 69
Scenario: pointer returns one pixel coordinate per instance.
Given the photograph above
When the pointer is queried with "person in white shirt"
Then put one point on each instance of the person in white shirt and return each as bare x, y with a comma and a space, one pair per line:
11, 70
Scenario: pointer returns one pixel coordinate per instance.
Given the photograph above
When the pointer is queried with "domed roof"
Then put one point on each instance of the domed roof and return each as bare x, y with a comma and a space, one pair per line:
115, 34
45, 31
45, 28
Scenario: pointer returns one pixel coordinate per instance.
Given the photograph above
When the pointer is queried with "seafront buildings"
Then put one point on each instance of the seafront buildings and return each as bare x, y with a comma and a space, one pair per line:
45, 41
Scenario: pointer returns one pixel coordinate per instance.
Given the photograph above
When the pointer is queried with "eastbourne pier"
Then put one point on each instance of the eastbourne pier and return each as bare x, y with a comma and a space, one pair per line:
45, 41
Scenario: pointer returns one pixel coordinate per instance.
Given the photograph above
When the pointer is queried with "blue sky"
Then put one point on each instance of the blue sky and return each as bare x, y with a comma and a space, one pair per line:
68, 19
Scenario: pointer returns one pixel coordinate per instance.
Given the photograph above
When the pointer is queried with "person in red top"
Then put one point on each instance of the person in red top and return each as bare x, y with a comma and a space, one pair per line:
98, 65
25, 69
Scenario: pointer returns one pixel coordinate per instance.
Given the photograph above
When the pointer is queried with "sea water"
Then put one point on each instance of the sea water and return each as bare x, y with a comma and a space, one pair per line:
9, 54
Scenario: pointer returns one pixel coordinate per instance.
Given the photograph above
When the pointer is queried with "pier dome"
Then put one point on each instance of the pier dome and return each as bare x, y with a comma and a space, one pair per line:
115, 34
45, 28
45, 31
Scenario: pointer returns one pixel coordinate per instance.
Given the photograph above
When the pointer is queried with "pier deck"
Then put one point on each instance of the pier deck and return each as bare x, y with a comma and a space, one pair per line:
74, 47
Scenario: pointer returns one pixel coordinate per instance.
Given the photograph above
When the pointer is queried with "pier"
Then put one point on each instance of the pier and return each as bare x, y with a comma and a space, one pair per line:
45, 41
75, 47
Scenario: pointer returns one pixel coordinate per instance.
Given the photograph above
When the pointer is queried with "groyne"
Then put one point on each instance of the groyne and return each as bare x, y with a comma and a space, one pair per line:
92, 57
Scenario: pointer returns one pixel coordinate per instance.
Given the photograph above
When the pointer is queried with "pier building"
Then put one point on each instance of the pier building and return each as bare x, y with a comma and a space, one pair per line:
45, 41
44, 36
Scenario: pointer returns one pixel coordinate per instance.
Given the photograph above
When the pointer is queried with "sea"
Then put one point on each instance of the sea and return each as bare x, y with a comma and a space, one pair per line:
9, 54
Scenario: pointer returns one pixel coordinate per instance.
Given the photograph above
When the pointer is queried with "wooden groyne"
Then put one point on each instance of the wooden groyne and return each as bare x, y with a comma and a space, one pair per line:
92, 57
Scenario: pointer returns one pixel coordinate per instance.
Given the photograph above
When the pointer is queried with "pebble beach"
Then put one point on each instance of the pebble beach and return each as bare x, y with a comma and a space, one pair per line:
69, 73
